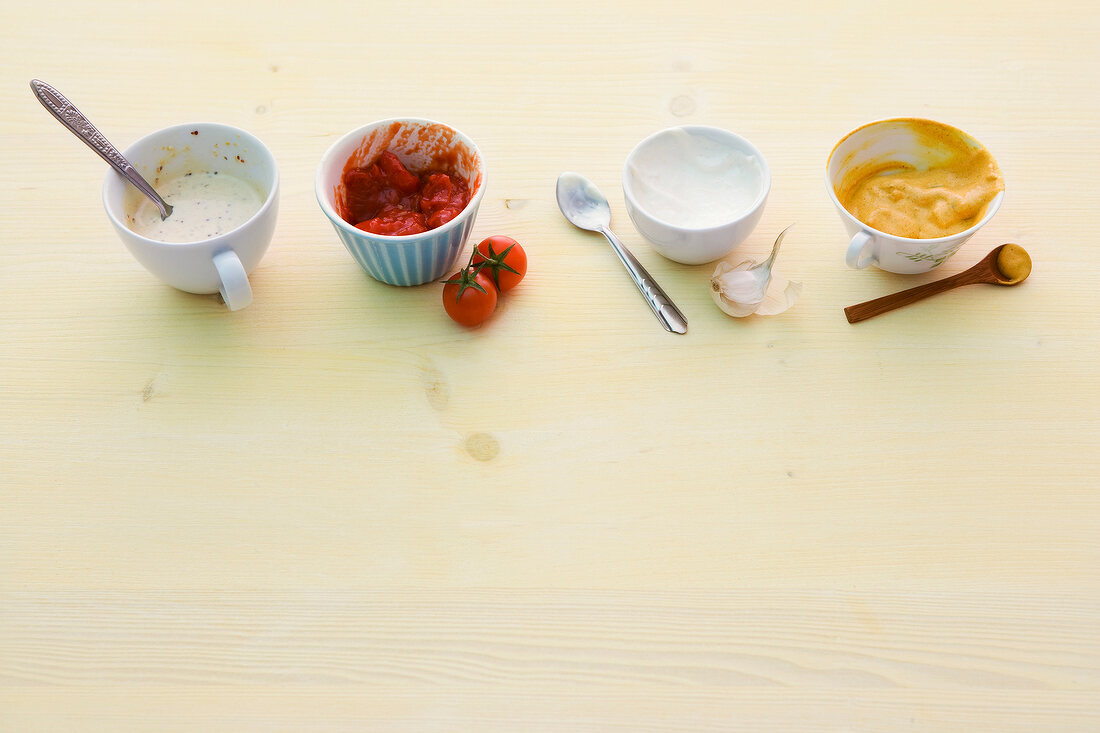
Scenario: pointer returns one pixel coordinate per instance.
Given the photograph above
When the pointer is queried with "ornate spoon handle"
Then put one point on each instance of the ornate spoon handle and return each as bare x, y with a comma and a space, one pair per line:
662, 306
72, 118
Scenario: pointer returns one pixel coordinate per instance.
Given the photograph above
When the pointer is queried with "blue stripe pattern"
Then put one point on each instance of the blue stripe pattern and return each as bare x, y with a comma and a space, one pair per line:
426, 257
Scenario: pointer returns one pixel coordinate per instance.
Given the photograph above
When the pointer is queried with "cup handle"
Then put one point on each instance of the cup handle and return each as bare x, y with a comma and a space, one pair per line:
859, 255
235, 290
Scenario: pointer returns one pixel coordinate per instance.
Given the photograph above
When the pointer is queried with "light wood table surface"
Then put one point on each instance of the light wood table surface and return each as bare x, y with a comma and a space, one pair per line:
335, 510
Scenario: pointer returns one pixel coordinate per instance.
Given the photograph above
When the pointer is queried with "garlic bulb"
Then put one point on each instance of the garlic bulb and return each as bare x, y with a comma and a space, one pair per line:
750, 288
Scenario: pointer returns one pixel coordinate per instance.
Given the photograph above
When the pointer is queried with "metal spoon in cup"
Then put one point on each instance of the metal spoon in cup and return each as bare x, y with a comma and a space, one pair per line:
69, 116
1008, 264
586, 208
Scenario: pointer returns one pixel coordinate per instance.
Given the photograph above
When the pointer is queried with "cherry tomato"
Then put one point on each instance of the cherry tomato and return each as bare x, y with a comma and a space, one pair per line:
504, 259
469, 296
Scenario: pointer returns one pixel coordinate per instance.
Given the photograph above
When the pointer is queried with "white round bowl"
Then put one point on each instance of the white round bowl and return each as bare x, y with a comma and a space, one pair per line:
413, 259
696, 245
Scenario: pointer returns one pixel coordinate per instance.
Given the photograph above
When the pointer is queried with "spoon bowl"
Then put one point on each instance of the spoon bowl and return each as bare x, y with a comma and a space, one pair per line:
1011, 263
582, 203
1008, 264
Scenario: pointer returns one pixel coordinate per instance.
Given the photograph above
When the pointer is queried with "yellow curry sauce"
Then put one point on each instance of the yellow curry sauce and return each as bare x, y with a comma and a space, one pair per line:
944, 197
1013, 262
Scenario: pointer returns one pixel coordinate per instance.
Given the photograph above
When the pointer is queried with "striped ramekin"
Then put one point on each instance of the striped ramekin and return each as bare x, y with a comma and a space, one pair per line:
416, 258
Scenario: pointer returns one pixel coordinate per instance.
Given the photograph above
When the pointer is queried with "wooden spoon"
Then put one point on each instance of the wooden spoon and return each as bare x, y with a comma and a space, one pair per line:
1008, 264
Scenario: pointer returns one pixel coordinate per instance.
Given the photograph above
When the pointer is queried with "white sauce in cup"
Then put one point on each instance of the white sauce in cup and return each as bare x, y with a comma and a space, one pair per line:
204, 205
693, 181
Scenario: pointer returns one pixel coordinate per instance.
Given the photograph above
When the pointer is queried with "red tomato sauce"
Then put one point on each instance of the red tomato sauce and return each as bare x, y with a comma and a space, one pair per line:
387, 198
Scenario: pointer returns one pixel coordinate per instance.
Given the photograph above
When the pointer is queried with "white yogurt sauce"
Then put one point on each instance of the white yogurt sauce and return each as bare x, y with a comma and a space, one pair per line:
204, 205
692, 181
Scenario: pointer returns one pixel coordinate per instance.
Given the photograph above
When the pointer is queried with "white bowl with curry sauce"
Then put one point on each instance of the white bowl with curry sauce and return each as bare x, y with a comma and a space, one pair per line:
911, 192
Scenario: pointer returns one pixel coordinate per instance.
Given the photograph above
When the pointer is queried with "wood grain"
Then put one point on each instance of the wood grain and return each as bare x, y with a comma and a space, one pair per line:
417, 658
734, 638
335, 510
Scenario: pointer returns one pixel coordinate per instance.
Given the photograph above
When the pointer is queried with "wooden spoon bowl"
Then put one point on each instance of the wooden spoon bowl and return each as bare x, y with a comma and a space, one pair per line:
1008, 264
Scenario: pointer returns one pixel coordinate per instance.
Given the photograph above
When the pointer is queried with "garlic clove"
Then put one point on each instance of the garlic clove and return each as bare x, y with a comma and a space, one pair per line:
750, 288
737, 290
732, 307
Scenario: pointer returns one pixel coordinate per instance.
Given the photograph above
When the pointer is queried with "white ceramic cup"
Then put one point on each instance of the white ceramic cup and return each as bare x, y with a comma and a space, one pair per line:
217, 265
894, 140
695, 245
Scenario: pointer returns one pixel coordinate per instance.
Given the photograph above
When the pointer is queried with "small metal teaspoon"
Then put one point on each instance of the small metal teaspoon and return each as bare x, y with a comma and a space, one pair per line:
69, 116
586, 208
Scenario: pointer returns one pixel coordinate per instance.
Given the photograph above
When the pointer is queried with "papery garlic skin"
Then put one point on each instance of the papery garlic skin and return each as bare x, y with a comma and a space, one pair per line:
782, 294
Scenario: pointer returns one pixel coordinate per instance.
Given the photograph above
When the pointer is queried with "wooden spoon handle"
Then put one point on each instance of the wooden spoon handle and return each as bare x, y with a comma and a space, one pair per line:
878, 306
